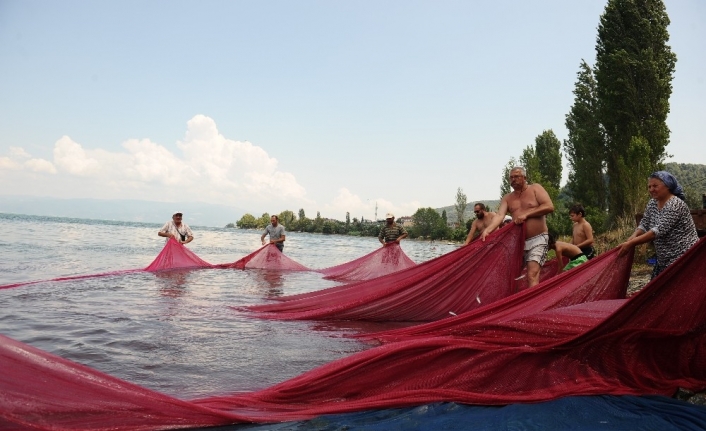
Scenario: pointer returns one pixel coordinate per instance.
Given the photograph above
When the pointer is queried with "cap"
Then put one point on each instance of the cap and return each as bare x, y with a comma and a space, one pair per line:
177, 213
389, 215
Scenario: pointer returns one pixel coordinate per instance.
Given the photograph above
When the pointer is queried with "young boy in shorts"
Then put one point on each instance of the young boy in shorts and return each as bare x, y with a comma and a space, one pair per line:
583, 232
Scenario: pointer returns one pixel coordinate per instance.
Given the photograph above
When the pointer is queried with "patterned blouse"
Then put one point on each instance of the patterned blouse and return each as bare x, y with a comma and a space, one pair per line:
674, 230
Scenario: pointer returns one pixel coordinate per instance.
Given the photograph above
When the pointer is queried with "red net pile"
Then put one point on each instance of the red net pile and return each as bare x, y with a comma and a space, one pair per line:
174, 255
382, 261
459, 281
602, 279
266, 257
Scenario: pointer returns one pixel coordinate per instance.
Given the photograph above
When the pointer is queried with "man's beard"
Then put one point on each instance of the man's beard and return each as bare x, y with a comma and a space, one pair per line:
480, 215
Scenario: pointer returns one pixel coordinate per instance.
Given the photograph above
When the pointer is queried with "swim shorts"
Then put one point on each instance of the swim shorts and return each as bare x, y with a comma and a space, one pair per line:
536, 248
576, 261
589, 252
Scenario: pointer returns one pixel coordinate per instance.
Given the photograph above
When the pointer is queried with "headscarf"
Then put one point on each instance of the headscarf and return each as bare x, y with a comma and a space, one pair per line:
671, 182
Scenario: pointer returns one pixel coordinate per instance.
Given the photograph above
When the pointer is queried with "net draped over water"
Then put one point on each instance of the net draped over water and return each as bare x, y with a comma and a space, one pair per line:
570, 335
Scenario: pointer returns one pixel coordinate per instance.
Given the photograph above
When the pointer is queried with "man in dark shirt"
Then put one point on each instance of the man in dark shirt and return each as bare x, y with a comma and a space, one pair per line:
391, 232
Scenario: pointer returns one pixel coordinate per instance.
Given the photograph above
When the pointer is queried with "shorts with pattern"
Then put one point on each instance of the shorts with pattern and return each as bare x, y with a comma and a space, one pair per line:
536, 248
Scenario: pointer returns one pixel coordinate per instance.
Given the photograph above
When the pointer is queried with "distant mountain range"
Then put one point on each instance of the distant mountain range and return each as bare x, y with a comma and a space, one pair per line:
195, 214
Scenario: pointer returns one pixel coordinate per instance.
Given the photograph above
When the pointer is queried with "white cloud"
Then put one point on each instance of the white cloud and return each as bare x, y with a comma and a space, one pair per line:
40, 165
210, 168
345, 201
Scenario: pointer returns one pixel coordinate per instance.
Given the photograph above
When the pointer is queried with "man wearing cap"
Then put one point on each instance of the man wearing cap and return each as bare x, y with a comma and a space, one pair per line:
176, 229
391, 232
483, 219
276, 233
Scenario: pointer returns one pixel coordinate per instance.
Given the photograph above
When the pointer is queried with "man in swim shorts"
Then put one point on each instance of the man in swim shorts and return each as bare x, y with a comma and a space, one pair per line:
528, 204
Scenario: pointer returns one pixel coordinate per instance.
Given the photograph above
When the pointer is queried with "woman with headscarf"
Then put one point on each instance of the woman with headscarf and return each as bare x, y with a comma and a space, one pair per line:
667, 221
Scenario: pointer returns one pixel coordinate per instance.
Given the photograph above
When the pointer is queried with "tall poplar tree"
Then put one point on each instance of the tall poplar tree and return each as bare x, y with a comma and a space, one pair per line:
548, 151
585, 145
461, 202
634, 72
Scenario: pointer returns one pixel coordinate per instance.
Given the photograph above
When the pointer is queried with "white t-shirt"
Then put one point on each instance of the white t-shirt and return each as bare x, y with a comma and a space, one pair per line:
183, 229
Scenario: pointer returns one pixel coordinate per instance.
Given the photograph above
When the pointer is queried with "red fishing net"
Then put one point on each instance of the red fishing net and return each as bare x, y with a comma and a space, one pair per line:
174, 255
382, 261
653, 343
459, 281
266, 257
603, 278
40, 391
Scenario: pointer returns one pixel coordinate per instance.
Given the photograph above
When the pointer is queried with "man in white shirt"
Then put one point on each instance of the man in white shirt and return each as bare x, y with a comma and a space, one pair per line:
177, 229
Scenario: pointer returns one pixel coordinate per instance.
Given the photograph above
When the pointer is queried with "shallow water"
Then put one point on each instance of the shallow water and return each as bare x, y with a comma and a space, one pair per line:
174, 332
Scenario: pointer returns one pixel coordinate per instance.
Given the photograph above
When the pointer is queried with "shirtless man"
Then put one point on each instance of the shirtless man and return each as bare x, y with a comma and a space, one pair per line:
483, 219
528, 204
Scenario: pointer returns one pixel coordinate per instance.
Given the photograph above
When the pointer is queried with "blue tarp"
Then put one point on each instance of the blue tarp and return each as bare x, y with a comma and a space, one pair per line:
586, 413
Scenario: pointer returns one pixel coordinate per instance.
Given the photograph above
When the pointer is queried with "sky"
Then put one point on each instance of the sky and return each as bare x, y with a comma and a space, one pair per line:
331, 107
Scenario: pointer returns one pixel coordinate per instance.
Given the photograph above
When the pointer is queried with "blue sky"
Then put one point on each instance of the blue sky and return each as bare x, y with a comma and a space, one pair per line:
326, 106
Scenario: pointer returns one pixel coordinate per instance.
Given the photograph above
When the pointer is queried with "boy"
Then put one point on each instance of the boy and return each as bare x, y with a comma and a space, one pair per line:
583, 232
576, 257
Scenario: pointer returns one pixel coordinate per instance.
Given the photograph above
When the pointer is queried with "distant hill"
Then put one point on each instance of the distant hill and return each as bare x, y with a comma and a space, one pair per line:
195, 214
468, 213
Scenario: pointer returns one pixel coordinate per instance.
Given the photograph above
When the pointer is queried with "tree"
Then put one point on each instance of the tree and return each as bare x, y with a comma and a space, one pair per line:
505, 187
444, 217
428, 223
634, 72
247, 221
461, 201
548, 151
348, 220
530, 162
301, 213
287, 218
585, 145
263, 221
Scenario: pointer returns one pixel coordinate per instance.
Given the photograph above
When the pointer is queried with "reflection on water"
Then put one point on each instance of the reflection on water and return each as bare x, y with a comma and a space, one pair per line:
172, 331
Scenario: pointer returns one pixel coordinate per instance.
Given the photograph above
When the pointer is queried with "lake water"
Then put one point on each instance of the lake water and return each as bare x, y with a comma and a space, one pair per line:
174, 331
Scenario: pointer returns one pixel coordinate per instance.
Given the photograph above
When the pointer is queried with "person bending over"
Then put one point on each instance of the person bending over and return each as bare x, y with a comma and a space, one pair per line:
562, 249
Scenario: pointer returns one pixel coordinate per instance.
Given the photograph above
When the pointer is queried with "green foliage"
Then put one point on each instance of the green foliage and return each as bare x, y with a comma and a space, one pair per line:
585, 145
263, 221
287, 218
692, 178
548, 152
634, 72
428, 223
444, 217
636, 163
461, 202
505, 184
247, 221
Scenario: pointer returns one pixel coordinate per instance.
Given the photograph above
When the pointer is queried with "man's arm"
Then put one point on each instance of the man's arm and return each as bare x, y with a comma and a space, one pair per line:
403, 236
164, 232
474, 228
262, 238
496, 220
545, 205
381, 235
